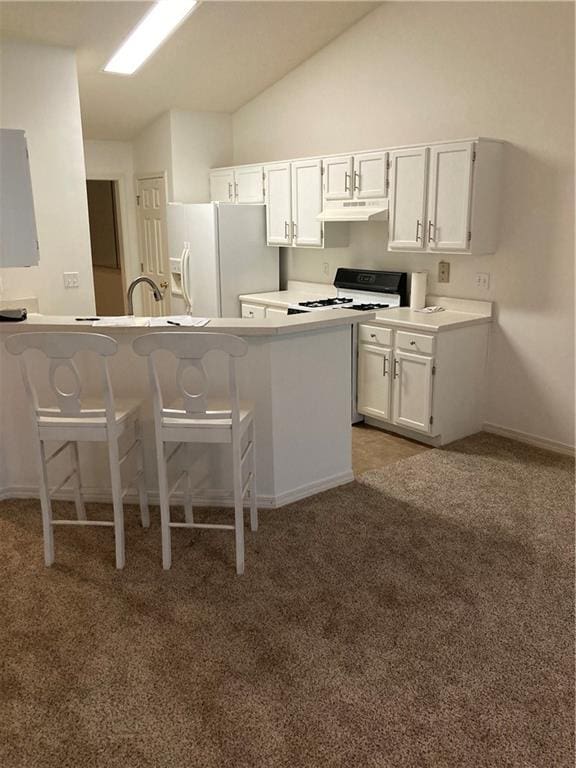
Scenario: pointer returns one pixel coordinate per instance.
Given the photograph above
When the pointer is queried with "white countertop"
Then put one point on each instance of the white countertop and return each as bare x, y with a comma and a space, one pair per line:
404, 317
284, 298
240, 326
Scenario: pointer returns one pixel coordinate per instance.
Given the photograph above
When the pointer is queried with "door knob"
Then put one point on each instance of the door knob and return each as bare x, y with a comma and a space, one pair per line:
164, 284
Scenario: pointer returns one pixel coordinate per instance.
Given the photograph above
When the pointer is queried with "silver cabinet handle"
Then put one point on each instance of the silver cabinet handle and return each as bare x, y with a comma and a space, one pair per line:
357, 181
412, 343
372, 335
418, 226
430, 228
286, 233
236, 189
395, 368
346, 182
230, 196
384, 371
293, 230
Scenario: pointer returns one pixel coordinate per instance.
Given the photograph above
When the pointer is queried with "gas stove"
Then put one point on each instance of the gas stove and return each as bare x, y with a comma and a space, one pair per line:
362, 290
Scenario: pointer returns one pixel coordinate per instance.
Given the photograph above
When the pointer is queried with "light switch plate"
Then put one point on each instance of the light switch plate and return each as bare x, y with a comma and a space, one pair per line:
443, 271
71, 279
483, 280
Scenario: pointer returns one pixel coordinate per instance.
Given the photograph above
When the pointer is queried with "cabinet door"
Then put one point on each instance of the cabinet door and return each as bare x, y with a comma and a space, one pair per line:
278, 204
306, 203
370, 172
450, 196
412, 375
338, 178
408, 172
249, 184
222, 186
374, 367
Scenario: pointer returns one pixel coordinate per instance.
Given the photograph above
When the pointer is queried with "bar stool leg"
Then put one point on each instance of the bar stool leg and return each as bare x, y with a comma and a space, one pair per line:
77, 481
164, 506
116, 482
253, 507
142, 493
188, 509
46, 505
238, 507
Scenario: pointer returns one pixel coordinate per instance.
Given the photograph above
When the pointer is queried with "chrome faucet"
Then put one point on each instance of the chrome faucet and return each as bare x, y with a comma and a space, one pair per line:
143, 279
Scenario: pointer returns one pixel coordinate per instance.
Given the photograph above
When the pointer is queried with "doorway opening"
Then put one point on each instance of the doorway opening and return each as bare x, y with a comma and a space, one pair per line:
106, 246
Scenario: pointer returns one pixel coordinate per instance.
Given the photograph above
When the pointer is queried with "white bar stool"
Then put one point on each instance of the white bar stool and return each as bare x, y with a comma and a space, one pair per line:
74, 421
196, 419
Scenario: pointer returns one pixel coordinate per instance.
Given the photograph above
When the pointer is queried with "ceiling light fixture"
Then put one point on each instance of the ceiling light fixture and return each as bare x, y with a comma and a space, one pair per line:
149, 34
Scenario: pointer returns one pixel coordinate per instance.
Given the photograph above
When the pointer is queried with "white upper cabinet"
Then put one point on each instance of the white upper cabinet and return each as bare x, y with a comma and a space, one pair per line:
238, 185
449, 196
222, 186
408, 175
249, 184
338, 178
278, 204
370, 174
451, 204
18, 239
356, 176
306, 203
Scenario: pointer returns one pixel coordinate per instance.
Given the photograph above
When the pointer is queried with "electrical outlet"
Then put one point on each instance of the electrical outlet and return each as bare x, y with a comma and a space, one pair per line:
443, 271
483, 280
326, 268
71, 279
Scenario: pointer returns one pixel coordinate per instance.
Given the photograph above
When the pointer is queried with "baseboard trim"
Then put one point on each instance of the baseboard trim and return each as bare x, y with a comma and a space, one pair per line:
529, 439
205, 498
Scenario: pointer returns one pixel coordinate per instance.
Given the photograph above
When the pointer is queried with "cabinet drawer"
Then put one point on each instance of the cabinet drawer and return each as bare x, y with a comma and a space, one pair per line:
253, 310
415, 342
276, 312
374, 334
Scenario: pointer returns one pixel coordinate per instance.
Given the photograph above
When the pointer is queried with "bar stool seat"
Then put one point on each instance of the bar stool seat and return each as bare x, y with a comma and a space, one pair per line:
196, 418
77, 419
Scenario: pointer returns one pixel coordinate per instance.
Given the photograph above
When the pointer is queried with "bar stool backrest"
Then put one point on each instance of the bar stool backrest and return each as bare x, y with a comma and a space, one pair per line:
190, 350
60, 349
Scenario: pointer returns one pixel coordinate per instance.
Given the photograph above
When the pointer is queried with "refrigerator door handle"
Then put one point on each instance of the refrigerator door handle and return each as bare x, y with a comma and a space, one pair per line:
185, 289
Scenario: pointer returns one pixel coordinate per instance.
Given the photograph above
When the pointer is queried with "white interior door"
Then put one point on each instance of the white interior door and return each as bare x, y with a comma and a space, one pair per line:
249, 184
408, 173
338, 178
370, 172
449, 196
222, 186
154, 259
412, 390
278, 204
306, 203
374, 372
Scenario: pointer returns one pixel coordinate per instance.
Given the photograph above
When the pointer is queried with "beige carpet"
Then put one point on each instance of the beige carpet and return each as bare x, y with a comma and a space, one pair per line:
422, 617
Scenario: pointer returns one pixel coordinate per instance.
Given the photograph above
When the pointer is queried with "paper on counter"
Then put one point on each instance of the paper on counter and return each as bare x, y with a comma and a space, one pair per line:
430, 310
123, 321
184, 320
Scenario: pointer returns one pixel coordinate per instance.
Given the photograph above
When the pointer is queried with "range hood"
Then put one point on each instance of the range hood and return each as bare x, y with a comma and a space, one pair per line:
355, 210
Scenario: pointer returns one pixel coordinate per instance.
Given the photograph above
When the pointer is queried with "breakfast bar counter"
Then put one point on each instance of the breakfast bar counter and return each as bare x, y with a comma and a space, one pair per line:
297, 374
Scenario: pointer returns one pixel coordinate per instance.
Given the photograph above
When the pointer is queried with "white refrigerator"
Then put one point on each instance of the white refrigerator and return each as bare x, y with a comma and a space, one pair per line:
218, 252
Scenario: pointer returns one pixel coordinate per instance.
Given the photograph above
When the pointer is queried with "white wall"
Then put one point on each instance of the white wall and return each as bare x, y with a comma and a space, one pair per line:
153, 150
39, 88
185, 145
417, 72
200, 141
114, 160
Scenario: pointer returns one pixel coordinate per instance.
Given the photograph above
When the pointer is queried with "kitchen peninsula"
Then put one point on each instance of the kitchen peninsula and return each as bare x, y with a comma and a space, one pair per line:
297, 373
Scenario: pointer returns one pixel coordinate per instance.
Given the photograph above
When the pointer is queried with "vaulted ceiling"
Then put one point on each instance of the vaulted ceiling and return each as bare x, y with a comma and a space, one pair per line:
223, 55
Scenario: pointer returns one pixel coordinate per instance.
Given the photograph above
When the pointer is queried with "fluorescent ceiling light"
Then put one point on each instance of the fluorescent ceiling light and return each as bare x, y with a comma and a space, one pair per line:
150, 33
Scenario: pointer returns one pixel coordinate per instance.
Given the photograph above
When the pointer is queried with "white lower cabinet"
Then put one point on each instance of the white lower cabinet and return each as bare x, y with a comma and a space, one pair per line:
276, 312
412, 390
427, 386
254, 311
374, 373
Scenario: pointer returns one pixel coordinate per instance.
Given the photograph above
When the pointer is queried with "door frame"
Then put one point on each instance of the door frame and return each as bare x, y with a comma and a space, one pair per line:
121, 204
